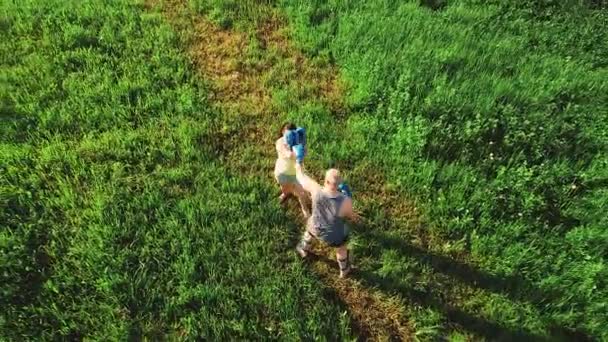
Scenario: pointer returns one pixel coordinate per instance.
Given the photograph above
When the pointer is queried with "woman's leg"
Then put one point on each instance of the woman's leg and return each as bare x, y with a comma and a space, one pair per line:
286, 191
286, 185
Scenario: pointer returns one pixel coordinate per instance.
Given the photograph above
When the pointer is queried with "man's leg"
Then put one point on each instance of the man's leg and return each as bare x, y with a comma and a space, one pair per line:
304, 245
343, 261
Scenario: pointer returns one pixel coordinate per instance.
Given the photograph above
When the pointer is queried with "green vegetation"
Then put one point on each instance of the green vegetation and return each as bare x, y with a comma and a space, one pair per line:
116, 220
119, 219
493, 117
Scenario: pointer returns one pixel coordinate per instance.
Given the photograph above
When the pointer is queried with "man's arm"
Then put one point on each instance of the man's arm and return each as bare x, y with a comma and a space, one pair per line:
307, 183
347, 211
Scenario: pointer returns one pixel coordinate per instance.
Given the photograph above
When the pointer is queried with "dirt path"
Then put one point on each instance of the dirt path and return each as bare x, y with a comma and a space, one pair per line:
239, 88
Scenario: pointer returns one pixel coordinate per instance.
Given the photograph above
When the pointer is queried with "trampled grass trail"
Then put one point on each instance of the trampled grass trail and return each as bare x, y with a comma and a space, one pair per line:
237, 87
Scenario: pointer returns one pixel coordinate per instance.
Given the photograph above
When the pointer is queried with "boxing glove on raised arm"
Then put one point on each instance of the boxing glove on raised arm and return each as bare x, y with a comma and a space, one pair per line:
345, 189
300, 153
295, 137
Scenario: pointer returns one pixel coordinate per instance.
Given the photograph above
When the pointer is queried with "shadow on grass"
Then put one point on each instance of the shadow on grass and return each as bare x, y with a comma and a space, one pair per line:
356, 327
514, 287
477, 325
29, 282
480, 326
294, 225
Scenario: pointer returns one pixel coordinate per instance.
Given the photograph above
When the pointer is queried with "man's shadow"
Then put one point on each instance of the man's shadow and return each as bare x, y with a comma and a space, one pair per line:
513, 287
488, 329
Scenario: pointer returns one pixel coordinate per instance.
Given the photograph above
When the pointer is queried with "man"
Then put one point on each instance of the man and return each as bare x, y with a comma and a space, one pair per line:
329, 209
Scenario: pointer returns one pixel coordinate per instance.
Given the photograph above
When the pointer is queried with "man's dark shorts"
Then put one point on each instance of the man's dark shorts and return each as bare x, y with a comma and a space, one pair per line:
334, 239
336, 242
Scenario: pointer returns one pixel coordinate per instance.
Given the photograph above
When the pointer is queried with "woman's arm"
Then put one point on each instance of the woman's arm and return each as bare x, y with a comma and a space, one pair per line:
283, 150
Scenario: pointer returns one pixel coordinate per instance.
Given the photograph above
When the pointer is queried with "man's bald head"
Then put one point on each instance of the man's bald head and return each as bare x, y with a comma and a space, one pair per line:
332, 179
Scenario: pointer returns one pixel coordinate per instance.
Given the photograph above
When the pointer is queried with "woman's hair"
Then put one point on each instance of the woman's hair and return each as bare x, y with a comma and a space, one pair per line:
286, 126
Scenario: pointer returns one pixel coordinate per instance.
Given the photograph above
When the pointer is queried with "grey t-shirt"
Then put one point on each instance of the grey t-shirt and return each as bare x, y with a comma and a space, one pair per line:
325, 220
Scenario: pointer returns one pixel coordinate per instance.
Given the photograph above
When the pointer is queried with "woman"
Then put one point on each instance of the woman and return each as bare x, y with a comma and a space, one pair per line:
285, 170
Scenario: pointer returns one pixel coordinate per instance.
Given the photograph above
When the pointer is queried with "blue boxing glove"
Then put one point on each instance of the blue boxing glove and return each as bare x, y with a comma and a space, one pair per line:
300, 153
291, 138
343, 187
296, 140
295, 137
301, 136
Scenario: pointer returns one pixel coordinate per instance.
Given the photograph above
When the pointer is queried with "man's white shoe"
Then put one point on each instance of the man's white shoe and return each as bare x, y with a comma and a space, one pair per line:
344, 273
303, 253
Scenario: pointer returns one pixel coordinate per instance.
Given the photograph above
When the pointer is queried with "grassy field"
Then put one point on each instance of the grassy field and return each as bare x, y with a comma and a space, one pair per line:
117, 221
494, 117
473, 133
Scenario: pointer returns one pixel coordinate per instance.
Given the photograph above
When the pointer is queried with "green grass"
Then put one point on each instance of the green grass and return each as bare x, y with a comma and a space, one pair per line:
117, 222
492, 117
